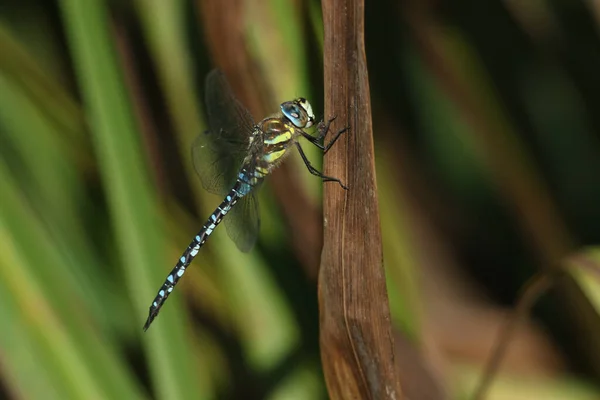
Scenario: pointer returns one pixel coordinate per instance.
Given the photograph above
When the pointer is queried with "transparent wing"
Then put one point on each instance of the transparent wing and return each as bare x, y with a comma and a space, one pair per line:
216, 165
243, 222
218, 153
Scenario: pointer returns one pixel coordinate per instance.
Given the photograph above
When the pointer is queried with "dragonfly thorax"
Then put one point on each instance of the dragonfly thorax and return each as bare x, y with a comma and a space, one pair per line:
278, 135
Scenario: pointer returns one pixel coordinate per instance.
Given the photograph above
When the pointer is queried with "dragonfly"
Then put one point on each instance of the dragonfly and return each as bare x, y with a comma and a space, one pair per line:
233, 157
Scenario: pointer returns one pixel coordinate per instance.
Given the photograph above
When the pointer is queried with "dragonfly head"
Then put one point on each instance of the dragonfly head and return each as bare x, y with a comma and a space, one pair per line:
299, 112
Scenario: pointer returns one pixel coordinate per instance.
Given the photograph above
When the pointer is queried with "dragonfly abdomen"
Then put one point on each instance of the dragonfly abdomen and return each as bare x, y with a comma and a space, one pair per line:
193, 248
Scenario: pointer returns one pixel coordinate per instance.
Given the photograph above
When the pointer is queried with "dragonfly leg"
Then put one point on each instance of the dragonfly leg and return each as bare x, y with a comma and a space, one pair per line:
316, 172
323, 128
336, 137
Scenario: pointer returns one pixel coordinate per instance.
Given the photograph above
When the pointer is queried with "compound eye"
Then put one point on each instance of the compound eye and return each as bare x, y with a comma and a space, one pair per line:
295, 113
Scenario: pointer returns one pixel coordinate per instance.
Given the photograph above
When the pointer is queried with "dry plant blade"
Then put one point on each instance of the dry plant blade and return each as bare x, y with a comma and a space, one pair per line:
536, 287
357, 346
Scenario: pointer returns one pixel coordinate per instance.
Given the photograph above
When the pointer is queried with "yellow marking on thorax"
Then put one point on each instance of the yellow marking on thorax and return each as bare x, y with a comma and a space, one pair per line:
281, 138
274, 156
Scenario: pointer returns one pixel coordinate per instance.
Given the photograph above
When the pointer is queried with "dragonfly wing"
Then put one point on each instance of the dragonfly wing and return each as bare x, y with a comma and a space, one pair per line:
215, 162
243, 222
218, 153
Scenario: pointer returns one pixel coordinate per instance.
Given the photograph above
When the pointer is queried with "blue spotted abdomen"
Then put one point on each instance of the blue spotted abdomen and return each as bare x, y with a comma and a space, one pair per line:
240, 189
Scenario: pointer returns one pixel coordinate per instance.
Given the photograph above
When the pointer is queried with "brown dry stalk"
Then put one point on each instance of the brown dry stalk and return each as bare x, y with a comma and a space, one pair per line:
357, 347
536, 287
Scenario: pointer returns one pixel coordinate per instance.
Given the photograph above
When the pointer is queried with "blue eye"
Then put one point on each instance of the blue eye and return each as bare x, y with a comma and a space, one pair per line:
295, 114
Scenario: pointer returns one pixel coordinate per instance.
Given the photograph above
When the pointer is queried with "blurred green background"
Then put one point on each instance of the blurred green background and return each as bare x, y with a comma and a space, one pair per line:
487, 134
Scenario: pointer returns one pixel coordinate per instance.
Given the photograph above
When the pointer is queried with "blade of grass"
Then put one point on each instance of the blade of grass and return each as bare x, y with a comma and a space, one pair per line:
48, 310
43, 89
131, 199
18, 364
584, 268
163, 24
53, 186
399, 250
